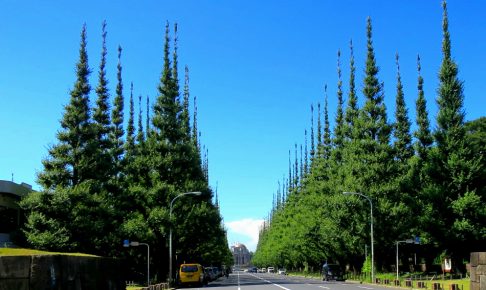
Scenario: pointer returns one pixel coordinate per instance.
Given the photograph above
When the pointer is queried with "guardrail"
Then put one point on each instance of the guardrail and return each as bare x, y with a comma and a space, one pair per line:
429, 282
161, 286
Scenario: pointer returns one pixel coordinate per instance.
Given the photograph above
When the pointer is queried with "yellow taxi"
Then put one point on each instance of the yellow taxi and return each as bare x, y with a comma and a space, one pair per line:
191, 274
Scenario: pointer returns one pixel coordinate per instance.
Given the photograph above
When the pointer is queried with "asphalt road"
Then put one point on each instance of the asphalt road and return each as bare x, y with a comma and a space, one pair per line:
253, 281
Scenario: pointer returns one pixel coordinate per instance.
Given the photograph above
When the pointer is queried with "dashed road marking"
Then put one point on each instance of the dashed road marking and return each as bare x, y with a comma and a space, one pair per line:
270, 282
239, 288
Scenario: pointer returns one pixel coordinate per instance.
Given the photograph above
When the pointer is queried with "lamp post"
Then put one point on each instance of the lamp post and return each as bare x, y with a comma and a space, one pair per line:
408, 241
371, 218
127, 243
170, 231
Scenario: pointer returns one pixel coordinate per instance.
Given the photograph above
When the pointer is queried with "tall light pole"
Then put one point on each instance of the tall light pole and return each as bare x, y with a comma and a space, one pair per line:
127, 243
408, 241
372, 247
170, 231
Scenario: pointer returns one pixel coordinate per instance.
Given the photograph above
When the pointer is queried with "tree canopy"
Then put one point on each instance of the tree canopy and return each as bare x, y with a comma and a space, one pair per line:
102, 184
426, 183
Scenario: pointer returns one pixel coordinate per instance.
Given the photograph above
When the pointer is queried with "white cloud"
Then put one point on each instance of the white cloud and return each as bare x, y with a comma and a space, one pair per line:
244, 231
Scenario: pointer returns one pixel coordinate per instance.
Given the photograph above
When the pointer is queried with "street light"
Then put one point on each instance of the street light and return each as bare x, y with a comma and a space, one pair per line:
371, 218
408, 241
127, 243
197, 193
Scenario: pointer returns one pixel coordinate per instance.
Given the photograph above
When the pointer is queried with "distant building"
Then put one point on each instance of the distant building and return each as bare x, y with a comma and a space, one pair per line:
241, 255
10, 213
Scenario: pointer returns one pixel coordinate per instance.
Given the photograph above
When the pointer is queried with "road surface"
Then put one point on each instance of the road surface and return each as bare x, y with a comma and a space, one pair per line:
265, 281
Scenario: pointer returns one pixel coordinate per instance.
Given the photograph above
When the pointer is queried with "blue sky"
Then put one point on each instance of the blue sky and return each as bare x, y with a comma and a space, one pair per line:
255, 67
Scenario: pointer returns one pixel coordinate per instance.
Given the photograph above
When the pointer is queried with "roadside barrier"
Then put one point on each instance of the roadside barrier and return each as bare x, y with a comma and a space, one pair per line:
161, 286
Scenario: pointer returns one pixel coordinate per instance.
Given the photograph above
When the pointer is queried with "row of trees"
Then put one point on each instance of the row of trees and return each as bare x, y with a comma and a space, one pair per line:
429, 183
102, 183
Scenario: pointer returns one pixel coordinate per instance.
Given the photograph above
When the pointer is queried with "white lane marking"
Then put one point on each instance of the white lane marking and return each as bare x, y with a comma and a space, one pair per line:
363, 287
269, 282
239, 280
324, 287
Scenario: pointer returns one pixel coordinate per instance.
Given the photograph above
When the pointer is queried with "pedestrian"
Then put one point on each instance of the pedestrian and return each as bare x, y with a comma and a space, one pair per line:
325, 269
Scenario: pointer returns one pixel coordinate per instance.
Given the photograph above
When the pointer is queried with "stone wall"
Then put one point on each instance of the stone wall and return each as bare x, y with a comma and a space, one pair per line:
60, 272
478, 271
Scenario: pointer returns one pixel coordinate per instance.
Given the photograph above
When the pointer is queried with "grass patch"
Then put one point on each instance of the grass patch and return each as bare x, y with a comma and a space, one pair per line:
30, 252
134, 287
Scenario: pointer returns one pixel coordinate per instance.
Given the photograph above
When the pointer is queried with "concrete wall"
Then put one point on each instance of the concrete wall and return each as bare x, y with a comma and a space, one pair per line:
478, 271
60, 272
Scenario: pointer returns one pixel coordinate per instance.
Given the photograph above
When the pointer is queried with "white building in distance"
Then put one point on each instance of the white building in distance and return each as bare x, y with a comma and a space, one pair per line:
241, 255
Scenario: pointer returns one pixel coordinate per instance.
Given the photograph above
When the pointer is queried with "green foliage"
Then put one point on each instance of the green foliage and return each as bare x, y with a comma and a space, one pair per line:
470, 208
351, 113
101, 118
69, 161
457, 172
366, 268
45, 228
130, 138
373, 118
422, 134
117, 132
99, 190
418, 188
476, 134
403, 139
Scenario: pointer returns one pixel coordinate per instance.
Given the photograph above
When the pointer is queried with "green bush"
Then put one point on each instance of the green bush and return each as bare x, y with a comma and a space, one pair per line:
366, 265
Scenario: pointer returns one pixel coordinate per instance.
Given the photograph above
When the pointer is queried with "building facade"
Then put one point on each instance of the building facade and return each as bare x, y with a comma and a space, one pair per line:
241, 255
10, 213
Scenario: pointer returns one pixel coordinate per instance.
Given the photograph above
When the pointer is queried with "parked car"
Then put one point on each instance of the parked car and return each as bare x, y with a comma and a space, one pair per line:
282, 272
191, 274
332, 272
252, 270
218, 272
270, 270
211, 273
208, 275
